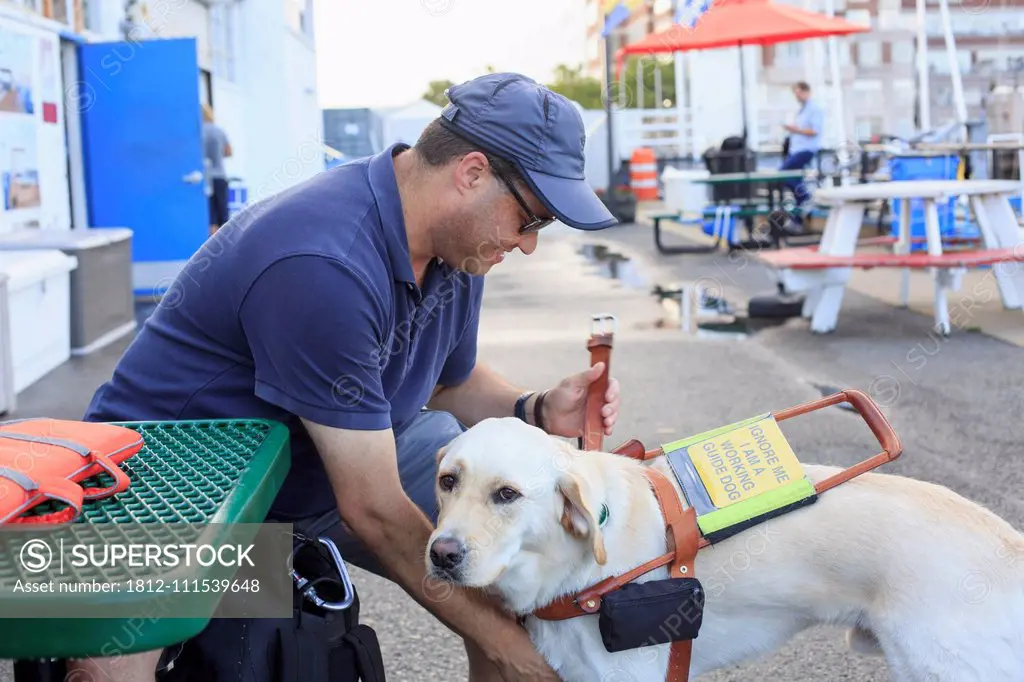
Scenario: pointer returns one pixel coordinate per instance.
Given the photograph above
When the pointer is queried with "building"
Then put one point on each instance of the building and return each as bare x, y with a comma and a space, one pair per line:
117, 87
877, 68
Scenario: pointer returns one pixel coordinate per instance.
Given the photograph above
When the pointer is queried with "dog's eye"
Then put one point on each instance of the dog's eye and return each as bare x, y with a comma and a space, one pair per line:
506, 494
447, 482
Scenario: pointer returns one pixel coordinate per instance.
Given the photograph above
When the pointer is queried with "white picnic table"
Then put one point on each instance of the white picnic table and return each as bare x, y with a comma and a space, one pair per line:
989, 201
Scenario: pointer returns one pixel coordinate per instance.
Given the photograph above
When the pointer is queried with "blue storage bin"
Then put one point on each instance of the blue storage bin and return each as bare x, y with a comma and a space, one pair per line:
927, 168
238, 197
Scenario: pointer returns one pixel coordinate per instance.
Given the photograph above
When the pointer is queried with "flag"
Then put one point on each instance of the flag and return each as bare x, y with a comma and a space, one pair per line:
616, 13
689, 12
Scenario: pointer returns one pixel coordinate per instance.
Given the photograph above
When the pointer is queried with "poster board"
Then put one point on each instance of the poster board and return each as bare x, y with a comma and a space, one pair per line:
33, 152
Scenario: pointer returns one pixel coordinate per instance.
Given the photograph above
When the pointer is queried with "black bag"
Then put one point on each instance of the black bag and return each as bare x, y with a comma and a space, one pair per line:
655, 612
323, 641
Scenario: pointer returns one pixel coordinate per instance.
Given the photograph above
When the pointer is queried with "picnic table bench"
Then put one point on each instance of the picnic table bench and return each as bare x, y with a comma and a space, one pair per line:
823, 271
196, 478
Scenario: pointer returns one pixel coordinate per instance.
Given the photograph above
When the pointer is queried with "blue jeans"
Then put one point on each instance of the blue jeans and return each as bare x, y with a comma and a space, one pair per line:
798, 161
417, 443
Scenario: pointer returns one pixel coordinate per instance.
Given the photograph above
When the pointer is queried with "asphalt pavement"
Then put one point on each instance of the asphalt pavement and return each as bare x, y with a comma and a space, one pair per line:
955, 402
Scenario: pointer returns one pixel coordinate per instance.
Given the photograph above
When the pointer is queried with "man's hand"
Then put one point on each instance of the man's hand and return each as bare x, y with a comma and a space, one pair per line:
565, 406
789, 127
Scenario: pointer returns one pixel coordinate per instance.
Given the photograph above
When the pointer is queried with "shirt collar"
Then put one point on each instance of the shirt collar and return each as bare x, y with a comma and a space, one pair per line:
384, 187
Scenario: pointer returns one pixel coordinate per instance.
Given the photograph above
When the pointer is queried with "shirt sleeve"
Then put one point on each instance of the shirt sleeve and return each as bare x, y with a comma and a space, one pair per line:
315, 328
462, 359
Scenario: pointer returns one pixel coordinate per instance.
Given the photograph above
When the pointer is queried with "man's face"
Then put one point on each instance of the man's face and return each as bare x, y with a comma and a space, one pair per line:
801, 95
488, 218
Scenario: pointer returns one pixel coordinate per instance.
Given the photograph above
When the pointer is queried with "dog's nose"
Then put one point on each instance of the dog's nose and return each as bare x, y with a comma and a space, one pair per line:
446, 553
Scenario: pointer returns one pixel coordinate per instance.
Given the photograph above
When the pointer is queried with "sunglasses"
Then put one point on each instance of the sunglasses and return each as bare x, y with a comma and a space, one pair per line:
535, 223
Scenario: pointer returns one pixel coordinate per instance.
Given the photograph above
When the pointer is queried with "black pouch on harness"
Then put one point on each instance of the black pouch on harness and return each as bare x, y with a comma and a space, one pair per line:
655, 612
322, 642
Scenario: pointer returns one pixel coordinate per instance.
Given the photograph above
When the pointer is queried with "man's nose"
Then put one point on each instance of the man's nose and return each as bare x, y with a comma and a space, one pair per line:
528, 243
446, 553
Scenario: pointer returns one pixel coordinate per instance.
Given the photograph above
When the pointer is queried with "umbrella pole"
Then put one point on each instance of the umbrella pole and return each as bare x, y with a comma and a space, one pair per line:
743, 93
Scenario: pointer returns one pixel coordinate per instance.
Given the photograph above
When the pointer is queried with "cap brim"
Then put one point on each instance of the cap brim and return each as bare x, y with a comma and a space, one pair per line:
571, 201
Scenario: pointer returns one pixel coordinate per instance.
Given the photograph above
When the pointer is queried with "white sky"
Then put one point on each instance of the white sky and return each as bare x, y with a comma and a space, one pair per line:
376, 53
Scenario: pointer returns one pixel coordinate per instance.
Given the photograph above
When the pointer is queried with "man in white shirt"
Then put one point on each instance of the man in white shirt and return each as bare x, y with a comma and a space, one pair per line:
804, 142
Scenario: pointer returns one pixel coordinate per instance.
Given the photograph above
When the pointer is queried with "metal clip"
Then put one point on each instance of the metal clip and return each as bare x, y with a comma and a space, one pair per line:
308, 589
598, 322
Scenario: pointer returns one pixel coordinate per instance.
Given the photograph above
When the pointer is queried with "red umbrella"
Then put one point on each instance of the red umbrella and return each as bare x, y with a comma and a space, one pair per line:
735, 23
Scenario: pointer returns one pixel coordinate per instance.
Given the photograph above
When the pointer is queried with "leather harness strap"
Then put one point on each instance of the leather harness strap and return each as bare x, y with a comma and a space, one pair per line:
681, 525
684, 541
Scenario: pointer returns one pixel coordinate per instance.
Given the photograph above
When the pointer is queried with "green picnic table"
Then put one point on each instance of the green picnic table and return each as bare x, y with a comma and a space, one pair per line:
775, 181
189, 474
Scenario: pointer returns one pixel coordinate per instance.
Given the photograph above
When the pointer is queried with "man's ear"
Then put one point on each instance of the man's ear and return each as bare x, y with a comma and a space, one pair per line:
579, 516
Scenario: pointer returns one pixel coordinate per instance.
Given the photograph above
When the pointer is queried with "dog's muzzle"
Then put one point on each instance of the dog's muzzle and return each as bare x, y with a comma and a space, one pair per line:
447, 554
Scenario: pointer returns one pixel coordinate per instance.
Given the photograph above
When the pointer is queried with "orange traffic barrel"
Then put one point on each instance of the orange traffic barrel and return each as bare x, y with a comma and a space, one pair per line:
643, 174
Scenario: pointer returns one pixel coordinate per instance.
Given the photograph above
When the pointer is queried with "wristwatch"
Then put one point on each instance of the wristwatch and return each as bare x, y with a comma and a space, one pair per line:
520, 411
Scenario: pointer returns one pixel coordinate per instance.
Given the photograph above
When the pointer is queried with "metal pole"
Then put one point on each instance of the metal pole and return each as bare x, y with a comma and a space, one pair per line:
837, 94
954, 68
924, 96
681, 104
657, 84
608, 56
640, 83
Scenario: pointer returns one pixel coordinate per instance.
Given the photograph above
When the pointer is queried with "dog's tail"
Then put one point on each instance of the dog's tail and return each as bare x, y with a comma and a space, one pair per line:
863, 641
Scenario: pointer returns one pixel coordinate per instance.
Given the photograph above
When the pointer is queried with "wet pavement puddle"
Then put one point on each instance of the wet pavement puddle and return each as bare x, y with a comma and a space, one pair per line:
699, 308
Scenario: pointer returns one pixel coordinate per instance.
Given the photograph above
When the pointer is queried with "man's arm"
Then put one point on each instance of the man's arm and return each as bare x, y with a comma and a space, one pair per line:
484, 394
363, 472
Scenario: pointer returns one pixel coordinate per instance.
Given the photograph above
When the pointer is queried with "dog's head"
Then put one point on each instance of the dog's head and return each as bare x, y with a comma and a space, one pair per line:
513, 501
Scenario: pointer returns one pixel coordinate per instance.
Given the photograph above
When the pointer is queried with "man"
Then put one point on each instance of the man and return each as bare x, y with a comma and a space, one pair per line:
216, 148
346, 304
804, 142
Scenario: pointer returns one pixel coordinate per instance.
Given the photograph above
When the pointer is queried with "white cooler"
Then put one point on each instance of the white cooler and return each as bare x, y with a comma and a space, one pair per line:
38, 306
102, 303
682, 194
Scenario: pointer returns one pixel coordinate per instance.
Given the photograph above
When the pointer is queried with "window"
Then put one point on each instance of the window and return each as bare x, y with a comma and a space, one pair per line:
299, 16
869, 53
903, 52
789, 54
223, 18
859, 16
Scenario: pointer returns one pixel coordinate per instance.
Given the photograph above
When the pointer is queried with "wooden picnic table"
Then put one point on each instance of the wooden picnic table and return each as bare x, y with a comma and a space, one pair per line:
824, 277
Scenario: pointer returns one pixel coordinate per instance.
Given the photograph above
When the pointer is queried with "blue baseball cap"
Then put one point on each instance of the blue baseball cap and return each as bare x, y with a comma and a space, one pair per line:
538, 131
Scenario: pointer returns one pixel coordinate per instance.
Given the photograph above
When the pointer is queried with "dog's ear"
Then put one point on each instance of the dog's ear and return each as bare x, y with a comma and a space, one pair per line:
579, 515
441, 452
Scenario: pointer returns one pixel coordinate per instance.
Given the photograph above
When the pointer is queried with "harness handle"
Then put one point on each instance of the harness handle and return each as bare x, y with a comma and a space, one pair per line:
876, 421
602, 331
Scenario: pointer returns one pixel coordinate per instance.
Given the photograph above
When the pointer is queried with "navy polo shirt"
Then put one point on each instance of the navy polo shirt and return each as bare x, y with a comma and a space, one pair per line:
304, 305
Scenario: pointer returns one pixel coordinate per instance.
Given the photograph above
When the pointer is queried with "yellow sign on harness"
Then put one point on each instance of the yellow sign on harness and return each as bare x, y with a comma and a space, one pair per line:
744, 462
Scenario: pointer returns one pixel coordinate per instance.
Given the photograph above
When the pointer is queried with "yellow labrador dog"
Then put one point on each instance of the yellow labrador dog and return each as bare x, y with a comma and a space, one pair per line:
926, 578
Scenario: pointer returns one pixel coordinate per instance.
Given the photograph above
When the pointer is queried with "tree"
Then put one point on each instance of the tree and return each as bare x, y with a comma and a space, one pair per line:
570, 82
435, 92
650, 65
